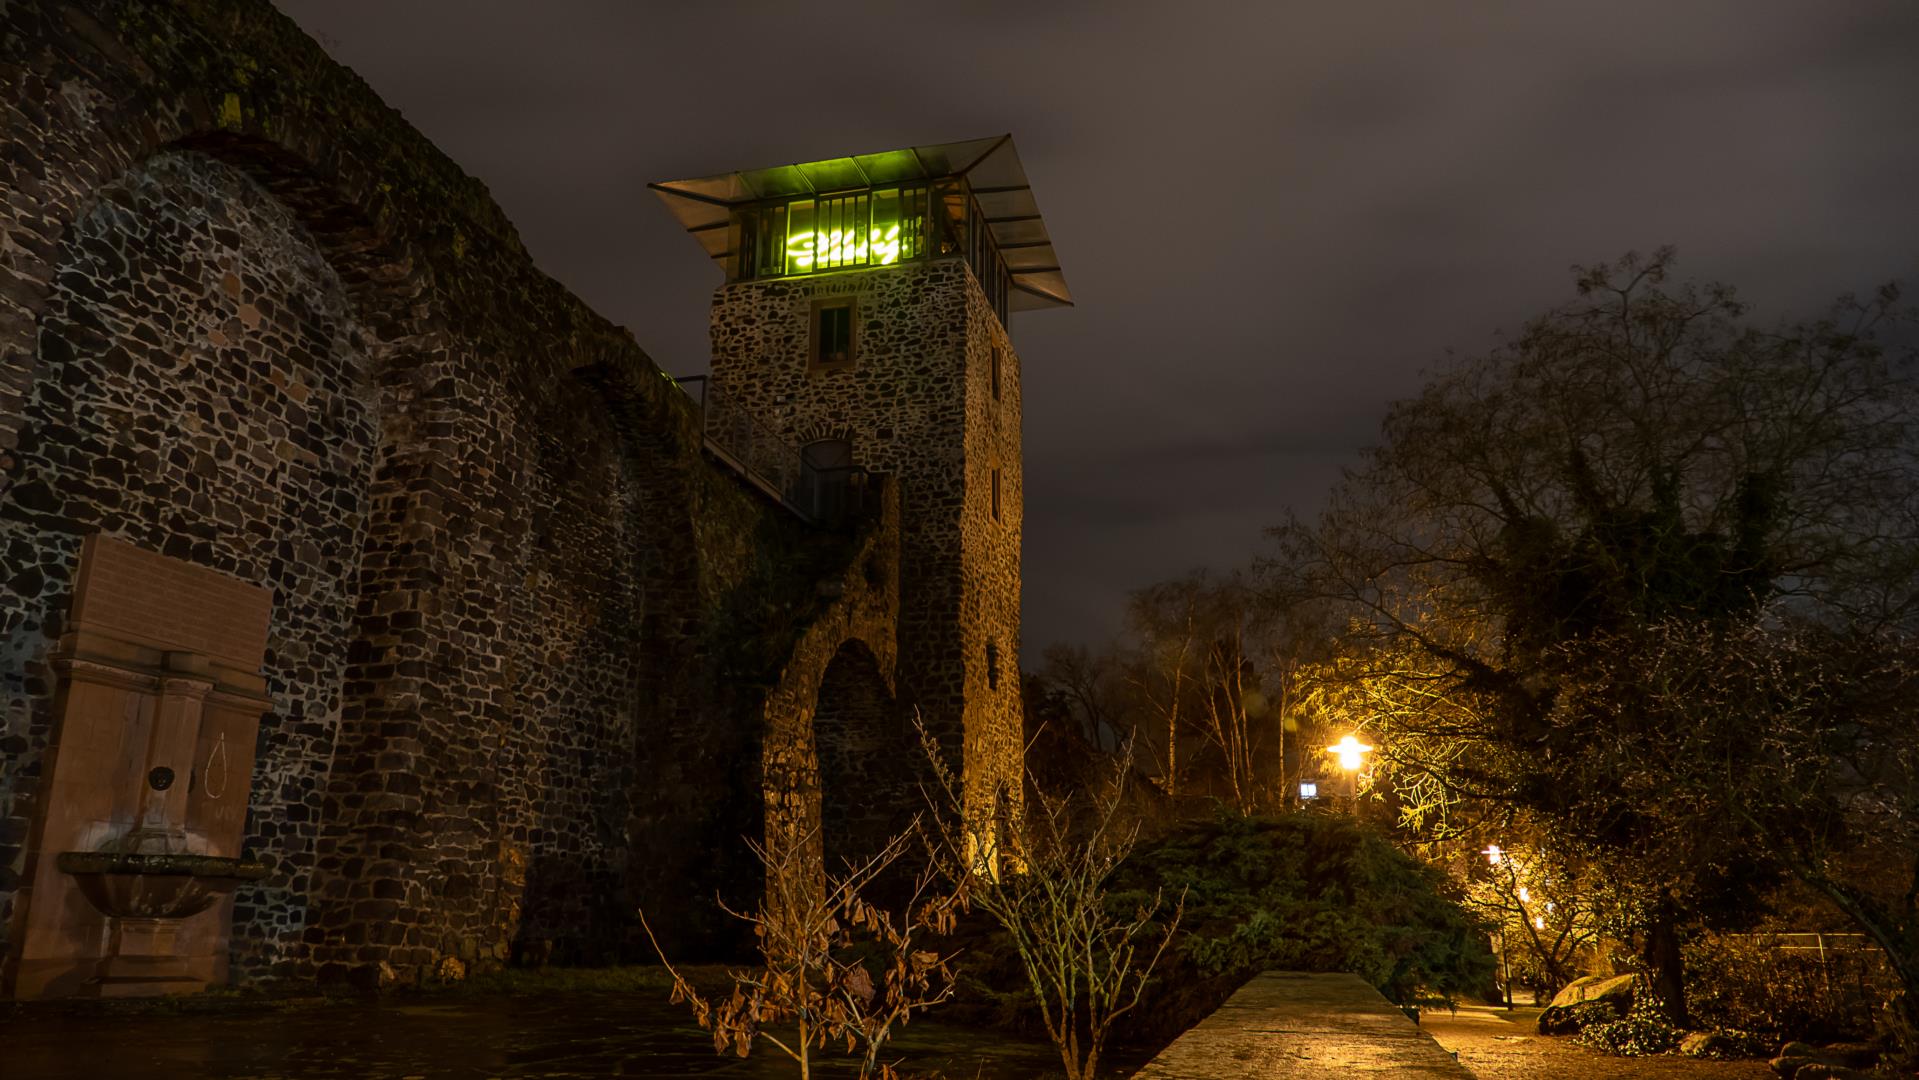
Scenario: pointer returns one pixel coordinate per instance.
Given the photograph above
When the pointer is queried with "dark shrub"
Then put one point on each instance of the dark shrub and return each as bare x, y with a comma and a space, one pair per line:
1573, 1019
1764, 983
1302, 892
1643, 1030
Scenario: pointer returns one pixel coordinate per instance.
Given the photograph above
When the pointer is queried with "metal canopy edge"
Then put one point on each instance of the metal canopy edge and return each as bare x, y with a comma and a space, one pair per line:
991, 167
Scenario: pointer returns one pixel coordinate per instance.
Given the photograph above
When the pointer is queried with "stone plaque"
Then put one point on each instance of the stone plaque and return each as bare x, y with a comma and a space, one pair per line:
152, 599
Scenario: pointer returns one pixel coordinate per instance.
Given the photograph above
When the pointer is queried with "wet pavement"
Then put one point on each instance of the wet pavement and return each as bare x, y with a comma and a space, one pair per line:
548, 1035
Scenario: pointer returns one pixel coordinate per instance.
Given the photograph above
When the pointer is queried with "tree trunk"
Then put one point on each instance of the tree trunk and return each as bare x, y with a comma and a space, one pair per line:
1664, 964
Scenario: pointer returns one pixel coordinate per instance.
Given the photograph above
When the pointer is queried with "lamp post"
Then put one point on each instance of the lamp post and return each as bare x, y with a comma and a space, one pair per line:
1493, 857
1352, 758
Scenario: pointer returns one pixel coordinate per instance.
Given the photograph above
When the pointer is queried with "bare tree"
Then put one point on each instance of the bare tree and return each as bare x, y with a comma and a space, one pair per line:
1165, 619
813, 942
1544, 911
1045, 883
1216, 663
1085, 682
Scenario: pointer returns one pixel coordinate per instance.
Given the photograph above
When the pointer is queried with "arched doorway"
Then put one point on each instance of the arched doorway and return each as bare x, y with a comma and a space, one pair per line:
828, 468
866, 751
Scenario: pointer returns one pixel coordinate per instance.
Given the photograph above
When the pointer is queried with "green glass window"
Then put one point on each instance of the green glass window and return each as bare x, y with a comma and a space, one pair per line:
838, 232
877, 227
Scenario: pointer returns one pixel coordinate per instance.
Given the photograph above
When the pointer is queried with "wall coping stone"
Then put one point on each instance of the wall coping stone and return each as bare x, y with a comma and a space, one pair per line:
1288, 1025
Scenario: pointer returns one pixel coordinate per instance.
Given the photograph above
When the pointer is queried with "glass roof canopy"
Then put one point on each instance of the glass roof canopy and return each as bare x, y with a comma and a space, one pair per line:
990, 167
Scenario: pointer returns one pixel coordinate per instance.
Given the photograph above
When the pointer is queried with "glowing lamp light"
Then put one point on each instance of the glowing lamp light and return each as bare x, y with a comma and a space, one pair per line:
1352, 753
1493, 854
1539, 922
1309, 789
1524, 895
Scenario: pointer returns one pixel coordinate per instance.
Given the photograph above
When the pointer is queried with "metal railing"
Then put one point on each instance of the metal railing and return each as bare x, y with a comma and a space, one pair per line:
740, 440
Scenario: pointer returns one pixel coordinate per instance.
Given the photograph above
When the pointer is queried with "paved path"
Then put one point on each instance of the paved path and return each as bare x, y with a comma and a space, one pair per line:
1289, 1026
1500, 1045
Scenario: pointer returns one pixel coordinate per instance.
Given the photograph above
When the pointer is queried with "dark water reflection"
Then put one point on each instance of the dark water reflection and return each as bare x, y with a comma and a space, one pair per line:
561, 1034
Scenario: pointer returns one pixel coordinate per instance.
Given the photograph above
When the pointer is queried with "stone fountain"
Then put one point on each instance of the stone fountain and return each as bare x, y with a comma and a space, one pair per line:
135, 850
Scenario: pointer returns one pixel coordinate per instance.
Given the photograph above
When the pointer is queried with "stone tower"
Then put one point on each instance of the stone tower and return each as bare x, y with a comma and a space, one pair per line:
863, 322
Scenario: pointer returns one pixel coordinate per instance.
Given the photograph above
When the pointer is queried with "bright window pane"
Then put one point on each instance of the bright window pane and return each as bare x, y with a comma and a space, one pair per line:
801, 251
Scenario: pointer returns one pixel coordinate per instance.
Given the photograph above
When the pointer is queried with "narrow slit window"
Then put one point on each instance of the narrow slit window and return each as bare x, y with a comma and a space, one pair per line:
995, 372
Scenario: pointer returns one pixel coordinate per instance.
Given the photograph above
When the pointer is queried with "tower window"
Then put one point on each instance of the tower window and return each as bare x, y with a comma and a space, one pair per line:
833, 333
992, 665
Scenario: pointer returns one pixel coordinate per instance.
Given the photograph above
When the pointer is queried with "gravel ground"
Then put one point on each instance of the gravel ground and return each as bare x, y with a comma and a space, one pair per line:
1497, 1048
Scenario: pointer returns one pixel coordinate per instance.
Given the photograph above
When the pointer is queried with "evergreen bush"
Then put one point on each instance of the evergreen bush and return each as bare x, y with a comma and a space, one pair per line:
1311, 891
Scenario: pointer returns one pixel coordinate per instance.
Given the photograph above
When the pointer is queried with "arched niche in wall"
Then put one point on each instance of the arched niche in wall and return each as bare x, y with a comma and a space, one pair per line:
867, 753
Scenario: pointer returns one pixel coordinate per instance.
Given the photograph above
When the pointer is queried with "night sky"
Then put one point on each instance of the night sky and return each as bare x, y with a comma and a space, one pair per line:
1272, 216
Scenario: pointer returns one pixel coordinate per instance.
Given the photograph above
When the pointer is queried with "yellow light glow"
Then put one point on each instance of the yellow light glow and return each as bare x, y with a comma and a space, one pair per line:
1492, 854
1352, 753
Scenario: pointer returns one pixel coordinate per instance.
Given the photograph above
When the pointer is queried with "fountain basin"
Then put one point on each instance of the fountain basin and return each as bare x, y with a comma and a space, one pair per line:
131, 885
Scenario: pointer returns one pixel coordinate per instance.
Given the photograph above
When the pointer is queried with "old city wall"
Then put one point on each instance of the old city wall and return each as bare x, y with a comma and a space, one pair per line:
523, 630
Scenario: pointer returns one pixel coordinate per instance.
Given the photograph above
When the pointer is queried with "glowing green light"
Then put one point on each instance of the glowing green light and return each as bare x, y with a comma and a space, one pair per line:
841, 247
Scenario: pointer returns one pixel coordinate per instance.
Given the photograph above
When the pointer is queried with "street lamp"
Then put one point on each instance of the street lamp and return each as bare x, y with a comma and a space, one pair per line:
1352, 757
1352, 753
1493, 858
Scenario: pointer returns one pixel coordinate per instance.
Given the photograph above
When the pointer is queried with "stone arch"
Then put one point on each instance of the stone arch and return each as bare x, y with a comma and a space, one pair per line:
340, 208
865, 749
115, 146
807, 434
204, 386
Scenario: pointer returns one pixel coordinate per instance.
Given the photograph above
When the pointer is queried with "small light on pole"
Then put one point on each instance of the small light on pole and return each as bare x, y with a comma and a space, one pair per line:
1352, 758
1352, 753
1493, 855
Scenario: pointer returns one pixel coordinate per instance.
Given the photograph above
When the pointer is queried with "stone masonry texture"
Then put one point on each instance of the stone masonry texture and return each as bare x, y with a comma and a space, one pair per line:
537, 662
919, 401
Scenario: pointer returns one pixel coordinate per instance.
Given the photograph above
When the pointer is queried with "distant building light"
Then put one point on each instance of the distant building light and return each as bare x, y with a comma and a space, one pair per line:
1309, 789
1492, 854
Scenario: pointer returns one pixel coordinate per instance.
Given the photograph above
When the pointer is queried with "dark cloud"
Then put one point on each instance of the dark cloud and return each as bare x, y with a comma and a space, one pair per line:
1273, 216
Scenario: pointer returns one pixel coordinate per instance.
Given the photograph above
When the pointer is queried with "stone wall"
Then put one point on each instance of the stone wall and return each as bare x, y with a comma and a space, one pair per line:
212, 402
989, 618
525, 633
